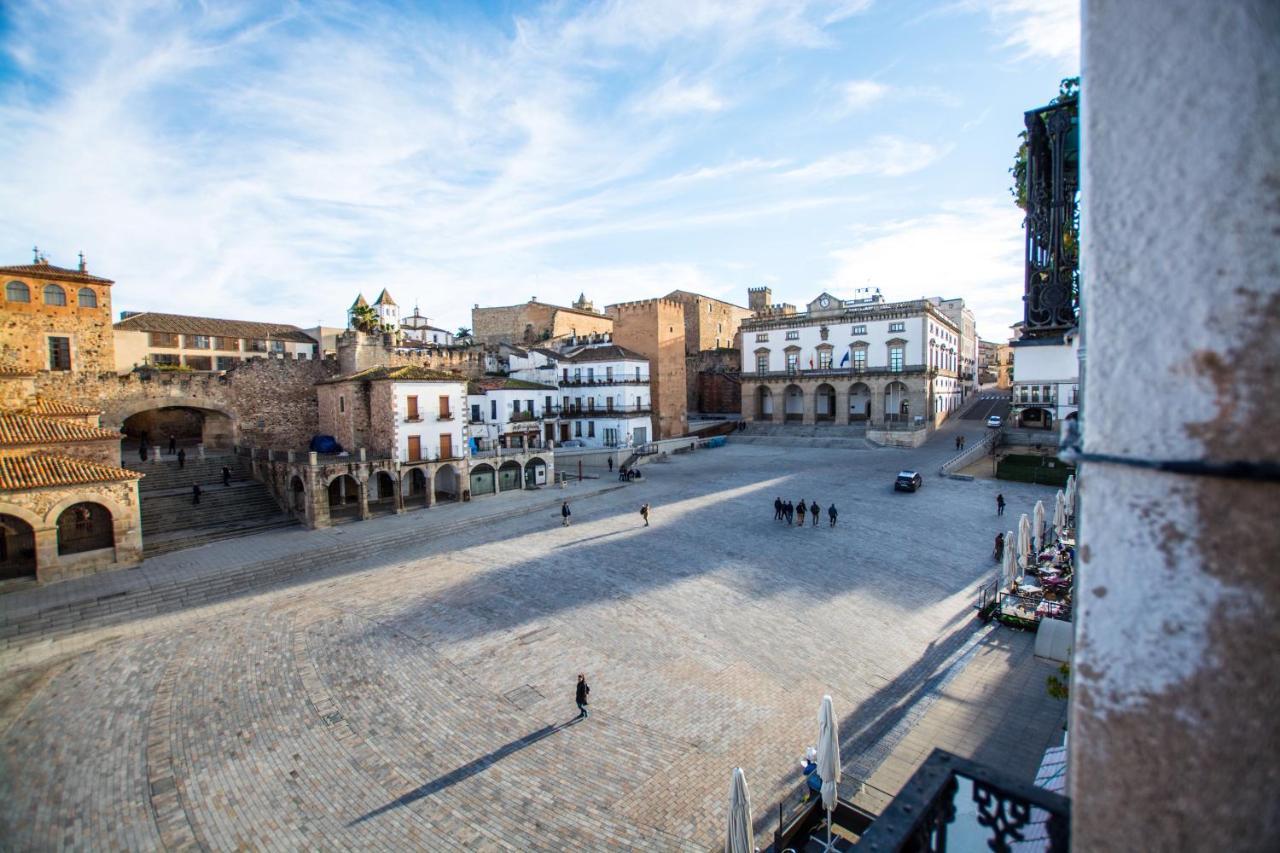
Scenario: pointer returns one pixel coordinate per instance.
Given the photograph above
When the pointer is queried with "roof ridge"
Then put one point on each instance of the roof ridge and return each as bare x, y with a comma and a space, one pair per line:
42, 469
26, 428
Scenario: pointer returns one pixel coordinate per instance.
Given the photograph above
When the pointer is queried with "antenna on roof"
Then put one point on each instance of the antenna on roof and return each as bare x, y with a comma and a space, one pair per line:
35, 254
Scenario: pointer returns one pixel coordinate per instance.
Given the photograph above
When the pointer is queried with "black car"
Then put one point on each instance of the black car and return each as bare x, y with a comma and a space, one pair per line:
908, 481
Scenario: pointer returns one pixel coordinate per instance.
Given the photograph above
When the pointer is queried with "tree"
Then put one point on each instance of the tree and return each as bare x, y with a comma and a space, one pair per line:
365, 319
463, 332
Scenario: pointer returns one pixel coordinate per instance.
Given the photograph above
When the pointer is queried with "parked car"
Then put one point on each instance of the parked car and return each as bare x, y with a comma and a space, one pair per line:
908, 481
994, 422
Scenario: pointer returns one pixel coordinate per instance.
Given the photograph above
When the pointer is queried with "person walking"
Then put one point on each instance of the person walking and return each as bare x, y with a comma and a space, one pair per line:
957, 442
610, 464
564, 514
777, 509
962, 442
831, 513
226, 476
580, 697
173, 444
195, 493
1000, 504
142, 451
999, 549
182, 458
800, 510
644, 513
814, 510
788, 511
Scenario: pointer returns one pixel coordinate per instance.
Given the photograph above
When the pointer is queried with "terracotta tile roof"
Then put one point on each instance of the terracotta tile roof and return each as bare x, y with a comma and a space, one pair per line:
49, 469
384, 298
180, 324
404, 373
31, 429
608, 352
50, 271
60, 409
503, 383
359, 303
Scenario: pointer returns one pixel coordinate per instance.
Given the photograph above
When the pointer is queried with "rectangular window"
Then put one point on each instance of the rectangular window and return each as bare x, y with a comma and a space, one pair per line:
577, 429
637, 373
166, 358
197, 341
608, 374
793, 335
1075, 395
528, 406
860, 359
226, 362
493, 410
591, 429
162, 339
566, 374
415, 448
793, 362
859, 330
608, 404
445, 413
896, 359
546, 405
897, 327
59, 353
591, 374
762, 362
824, 359
762, 337
255, 345
475, 413
277, 346
199, 362
412, 405
446, 446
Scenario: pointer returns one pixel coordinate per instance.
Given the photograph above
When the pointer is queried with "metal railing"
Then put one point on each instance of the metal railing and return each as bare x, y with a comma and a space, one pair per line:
977, 806
836, 372
617, 380
616, 411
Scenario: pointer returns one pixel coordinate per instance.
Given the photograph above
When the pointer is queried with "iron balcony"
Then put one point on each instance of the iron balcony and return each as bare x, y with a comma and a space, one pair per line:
633, 410
835, 372
597, 382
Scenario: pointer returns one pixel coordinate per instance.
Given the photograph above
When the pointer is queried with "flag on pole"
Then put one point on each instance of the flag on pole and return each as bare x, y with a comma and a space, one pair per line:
811, 362
844, 360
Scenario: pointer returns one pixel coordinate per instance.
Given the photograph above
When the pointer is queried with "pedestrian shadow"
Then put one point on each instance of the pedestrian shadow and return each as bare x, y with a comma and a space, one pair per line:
466, 771
593, 538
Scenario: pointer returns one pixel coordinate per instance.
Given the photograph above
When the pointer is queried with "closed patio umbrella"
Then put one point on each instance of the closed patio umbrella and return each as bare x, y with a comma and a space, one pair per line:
828, 759
1037, 526
739, 838
1024, 542
1059, 513
1071, 497
1008, 562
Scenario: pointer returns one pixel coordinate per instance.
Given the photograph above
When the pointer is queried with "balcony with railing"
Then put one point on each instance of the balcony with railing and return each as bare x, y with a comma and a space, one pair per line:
595, 382
852, 373
629, 411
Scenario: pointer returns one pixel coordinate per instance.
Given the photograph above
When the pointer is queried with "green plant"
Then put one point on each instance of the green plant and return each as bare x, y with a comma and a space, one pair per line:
1059, 688
365, 319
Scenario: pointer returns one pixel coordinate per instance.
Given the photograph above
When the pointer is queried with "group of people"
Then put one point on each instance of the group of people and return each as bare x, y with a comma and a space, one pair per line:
959, 442
795, 513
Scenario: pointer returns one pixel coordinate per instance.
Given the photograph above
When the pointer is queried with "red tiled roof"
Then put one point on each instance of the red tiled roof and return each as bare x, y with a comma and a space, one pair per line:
607, 352
50, 271
32, 429
403, 373
59, 408
49, 469
180, 324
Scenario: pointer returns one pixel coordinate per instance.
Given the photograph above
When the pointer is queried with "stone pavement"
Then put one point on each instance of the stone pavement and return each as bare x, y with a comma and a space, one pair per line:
418, 693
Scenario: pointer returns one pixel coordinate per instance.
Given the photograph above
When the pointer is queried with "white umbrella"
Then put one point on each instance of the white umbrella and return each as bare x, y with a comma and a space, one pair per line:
1071, 497
1037, 526
828, 759
1008, 562
1024, 542
1059, 513
740, 839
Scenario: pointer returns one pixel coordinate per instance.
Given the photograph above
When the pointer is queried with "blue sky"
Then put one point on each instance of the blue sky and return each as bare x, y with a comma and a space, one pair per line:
267, 161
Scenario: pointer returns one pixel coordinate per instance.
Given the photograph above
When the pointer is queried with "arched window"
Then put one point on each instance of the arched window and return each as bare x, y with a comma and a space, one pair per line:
54, 295
16, 291
84, 527
87, 298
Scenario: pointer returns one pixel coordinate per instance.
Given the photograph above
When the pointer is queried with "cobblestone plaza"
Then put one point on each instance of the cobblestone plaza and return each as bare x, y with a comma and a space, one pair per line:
422, 695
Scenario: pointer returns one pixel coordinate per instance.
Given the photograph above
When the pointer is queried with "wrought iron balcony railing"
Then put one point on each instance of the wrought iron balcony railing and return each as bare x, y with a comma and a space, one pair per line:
952, 801
597, 381
835, 372
600, 412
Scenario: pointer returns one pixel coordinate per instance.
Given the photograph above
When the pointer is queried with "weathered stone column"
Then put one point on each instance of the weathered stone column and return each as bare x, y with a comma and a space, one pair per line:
46, 553
431, 486
842, 404
363, 486
809, 390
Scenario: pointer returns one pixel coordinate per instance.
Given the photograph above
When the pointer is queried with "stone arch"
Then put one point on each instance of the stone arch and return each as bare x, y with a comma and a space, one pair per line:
793, 403
509, 475
859, 402
483, 480
897, 402
18, 553
382, 492
415, 485
219, 426
447, 483
1035, 417
531, 478
764, 403
824, 403
343, 494
85, 526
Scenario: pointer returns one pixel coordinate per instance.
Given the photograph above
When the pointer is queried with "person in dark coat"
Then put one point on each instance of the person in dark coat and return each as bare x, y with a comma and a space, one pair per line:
195, 493
182, 458
777, 509
1000, 504
999, 549
800, 511
644, 513
226, 476
814, 510
610, 460
142, 451
173, 444
564, 514
831, 513
580, 697
787, 511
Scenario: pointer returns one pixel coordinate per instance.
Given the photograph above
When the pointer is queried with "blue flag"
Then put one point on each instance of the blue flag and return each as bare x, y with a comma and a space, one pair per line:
844, 360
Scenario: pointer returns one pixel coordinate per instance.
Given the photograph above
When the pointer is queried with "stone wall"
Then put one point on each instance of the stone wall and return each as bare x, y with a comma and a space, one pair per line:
714, 381
709, 323
533, 322
41, 509
26, 326
357, 352
655, 329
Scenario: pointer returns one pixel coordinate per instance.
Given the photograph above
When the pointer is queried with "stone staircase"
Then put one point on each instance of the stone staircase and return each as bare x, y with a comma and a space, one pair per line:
837, 436
170, 520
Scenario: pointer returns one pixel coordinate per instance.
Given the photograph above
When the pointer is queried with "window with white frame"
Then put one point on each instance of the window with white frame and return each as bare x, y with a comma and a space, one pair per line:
824, 359
860, 358
896, 360
793, 335
897, 327
793, 362
762, 362
859, 330
762, 337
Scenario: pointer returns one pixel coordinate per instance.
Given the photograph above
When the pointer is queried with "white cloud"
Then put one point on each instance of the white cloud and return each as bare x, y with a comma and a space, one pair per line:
972, 249
675, 96
1048, 28
860, 94
889, 156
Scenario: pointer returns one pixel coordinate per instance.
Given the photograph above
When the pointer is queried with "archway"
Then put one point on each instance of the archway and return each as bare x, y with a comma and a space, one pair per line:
448, 484
824, 403
17, 548
764, 403
897, 405
85, 527
535, 473
859, 402
793, 403
482, 480
187, 425
344, 498
298, 496
509, 475
382, 493
1035, 417
414, 484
